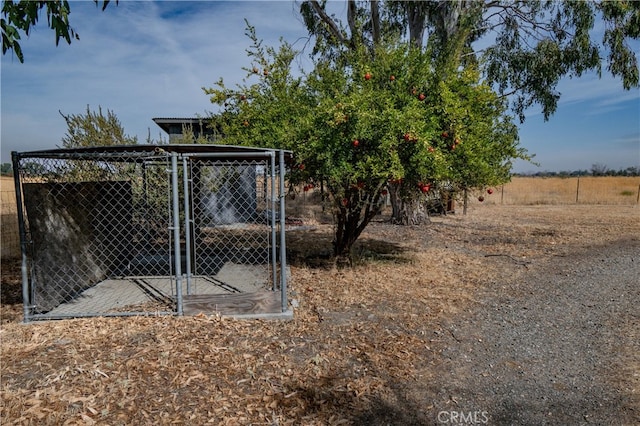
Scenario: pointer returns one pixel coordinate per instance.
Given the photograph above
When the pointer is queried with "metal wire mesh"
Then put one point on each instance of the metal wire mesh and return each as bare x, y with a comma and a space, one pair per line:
100, 236
229, 216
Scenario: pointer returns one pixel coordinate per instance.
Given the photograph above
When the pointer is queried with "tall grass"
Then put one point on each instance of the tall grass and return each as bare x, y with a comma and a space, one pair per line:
9, 236
609, 190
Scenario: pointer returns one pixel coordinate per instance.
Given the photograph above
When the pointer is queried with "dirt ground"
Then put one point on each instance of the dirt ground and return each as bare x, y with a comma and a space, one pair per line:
509, 315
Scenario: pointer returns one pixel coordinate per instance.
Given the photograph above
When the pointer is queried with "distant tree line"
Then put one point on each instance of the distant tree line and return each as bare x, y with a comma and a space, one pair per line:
6, 169
596, 170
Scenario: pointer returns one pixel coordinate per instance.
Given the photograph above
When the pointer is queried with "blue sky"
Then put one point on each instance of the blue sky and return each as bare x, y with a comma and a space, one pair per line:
151, 59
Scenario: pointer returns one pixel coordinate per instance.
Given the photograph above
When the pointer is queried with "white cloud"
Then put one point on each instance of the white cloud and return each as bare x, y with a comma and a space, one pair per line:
139, 59
603, 94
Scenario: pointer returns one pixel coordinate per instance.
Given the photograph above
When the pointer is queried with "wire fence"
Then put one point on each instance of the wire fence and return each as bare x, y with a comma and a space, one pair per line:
126, 232
605, 190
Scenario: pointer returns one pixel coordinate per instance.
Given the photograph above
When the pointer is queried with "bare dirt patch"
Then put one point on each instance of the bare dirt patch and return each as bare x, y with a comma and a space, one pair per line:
517, 315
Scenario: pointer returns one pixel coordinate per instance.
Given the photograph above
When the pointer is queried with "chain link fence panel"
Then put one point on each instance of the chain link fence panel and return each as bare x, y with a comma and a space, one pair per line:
111, 233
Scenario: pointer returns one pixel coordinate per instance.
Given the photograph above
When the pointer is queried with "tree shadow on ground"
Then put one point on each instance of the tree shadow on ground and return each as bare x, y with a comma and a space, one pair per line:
314, 249
384, 413
328, 397
361, 390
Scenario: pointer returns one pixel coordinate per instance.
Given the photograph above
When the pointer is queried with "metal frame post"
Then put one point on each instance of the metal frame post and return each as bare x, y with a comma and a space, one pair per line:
176, 231
273, 200
187, 220
283, 248
26, 299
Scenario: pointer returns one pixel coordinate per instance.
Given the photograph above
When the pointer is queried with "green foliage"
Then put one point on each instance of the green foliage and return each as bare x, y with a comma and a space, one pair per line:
394, 127
95, 129
20, 16
537, 43
531, 55
270, 107
89, 130
365, 118
483, 140
622, 22
188, 136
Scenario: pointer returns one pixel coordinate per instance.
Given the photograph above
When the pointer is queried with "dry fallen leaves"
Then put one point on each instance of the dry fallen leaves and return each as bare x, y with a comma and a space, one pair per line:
358, 335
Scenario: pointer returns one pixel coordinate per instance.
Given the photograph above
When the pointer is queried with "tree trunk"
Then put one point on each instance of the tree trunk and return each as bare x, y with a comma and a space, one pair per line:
408, 212
350, 222
413, 212
416, 18
465, 202
375, 21
396, 203
405, 211
333, 28
351, 19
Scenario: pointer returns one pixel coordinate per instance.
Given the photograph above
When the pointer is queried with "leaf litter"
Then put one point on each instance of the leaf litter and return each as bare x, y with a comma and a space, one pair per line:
359, 335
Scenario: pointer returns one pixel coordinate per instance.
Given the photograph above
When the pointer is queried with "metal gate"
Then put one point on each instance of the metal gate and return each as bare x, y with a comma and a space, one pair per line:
150, 230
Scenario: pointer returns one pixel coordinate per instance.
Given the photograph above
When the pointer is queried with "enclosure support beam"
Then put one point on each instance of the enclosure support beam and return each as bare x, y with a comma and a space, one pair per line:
274, 245
187, 220
257, 155
176, 230
283, 248
26, 299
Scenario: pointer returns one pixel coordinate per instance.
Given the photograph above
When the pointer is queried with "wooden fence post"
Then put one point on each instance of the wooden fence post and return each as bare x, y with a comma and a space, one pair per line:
577, 190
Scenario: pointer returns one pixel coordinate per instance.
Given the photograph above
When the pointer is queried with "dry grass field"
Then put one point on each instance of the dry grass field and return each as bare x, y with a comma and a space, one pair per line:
610, 190
10, 238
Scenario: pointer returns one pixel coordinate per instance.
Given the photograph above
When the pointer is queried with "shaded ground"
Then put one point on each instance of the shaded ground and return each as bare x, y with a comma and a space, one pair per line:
511, 315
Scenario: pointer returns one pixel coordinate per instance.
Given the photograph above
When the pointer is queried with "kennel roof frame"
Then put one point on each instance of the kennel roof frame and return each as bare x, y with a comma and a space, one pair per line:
116, 151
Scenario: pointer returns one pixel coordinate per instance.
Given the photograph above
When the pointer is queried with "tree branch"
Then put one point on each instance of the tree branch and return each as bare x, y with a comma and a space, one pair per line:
375, 21
333, 28
416, 16
351, 17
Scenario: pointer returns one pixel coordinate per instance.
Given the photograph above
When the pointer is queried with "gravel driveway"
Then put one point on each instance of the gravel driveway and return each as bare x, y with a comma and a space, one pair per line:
559, 345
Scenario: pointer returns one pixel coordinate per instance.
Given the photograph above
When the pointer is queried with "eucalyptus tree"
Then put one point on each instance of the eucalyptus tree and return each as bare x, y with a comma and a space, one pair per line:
22, 15
523, 48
